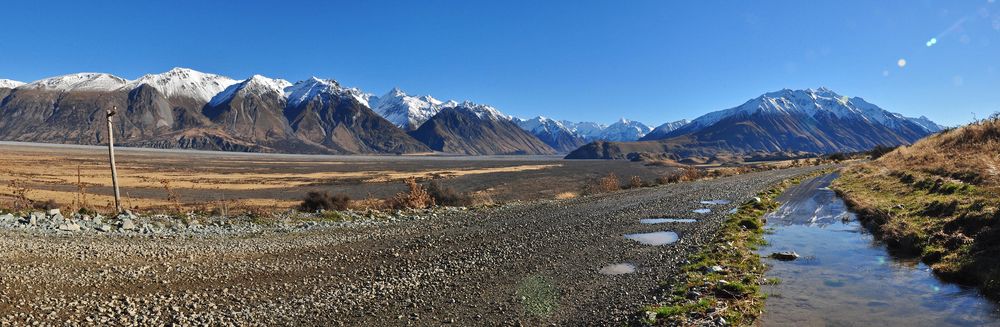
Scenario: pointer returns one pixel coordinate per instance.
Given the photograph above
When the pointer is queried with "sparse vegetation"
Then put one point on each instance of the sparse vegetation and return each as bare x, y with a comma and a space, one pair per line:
727, 274
416, 197
447, 196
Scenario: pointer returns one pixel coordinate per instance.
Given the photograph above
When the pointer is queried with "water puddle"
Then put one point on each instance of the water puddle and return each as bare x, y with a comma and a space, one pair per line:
655, 238
846, 278
666, 220
715, 202
618, 269
702, 210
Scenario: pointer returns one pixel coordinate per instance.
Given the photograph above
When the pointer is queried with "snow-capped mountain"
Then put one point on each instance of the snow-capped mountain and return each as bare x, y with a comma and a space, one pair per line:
662, 130
552, 132
256, 84
624, 130
477, 129
185, 82
927, 124
9, 83
407, 111
812, 103
788, 121
589, 131
308, 89
78, 82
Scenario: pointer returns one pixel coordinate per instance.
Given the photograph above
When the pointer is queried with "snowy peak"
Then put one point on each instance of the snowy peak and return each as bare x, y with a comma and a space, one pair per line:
807, 102
625, 130
481, 111
670, 126
79, 82
256, 84
184, 82
9, 83
310, 88
406, 111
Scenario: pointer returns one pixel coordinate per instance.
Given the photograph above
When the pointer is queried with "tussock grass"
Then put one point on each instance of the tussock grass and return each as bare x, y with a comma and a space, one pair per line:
937, 200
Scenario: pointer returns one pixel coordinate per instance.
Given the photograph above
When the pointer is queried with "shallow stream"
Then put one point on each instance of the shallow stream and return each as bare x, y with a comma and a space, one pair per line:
845, 277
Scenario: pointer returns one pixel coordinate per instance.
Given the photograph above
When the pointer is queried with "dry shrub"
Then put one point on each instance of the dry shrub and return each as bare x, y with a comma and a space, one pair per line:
635, 182
20, 192
482, 198
691, 174
447, 196
415, 198
316, 201
369, 203
46, 205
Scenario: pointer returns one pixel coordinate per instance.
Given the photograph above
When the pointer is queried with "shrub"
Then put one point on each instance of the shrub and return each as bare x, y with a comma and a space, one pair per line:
447, 196
316, 201
416, 197
46, 205
635, 182
691, 174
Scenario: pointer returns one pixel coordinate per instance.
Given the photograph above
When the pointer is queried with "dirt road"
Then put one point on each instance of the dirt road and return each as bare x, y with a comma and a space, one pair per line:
529, 264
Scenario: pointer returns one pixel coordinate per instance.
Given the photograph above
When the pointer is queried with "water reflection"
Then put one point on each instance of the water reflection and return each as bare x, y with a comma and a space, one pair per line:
654, 238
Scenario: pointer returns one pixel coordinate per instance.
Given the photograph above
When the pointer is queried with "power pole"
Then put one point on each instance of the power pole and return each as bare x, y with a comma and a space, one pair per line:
111, 156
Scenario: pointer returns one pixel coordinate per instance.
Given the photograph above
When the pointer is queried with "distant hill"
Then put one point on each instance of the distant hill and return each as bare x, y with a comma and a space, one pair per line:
476, 129
816, 121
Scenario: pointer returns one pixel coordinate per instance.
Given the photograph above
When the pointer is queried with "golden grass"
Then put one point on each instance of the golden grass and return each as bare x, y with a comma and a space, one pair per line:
567, 195
937, 200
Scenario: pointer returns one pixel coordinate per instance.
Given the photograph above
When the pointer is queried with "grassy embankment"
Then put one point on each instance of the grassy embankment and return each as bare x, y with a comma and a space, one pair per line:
732, 293
938, 200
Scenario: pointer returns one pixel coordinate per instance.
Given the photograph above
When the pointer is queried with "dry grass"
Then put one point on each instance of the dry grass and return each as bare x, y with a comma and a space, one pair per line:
416, 197
938, 200
567, 195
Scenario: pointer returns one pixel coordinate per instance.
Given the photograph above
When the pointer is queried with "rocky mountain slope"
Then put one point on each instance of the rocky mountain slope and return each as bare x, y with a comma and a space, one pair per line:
469, 128
817, 121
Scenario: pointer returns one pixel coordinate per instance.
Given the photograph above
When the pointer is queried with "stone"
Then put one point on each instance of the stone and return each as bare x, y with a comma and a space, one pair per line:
71, 227
785, 255
127, 224
53, 212
104, 228
7, 218
715, 269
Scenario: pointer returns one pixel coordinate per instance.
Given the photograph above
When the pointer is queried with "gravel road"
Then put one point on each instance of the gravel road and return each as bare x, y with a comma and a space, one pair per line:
527, 264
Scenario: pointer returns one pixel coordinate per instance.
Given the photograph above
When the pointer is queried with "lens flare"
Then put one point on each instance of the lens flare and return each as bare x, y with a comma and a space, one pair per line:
932, 42
901, 63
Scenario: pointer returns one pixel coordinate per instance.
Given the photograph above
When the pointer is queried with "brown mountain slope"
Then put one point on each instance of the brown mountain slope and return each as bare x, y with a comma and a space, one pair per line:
468, 129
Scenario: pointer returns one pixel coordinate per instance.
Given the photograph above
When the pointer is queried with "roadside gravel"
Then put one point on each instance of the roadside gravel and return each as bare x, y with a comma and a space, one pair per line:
524, 264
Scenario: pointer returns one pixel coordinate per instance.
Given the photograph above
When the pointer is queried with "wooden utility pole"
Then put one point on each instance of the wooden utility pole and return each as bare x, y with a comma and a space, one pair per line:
111, 157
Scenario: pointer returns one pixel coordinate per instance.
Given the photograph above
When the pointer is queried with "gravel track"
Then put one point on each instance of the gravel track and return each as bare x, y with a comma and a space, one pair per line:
526, 264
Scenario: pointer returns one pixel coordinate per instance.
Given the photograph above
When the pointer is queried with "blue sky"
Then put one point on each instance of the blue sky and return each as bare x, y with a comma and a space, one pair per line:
653, 61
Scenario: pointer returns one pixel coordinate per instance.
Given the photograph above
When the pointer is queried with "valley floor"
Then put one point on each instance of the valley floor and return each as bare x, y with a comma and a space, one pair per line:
532, 264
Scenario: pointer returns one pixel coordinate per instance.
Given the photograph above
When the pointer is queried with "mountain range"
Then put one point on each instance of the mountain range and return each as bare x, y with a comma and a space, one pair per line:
811, 121
184, 108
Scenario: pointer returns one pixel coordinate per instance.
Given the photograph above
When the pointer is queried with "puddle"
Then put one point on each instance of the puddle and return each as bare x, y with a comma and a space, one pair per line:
716, 202
846, 278
618, 269
667, 220
702, 210
655, 238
